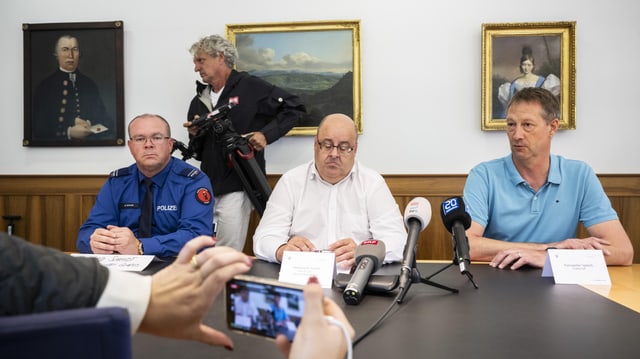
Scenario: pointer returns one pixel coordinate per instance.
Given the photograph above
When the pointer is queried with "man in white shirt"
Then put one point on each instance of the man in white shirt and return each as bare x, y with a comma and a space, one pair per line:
245, 311
331, 203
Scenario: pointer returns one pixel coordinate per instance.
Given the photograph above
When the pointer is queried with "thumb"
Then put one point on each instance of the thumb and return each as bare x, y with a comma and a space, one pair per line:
283, 345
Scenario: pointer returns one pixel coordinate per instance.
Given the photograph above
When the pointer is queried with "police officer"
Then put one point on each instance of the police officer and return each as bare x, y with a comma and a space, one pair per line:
182, 199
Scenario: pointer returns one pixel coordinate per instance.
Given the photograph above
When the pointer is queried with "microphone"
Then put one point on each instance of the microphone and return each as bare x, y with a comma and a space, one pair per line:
416, 217
456, 219
369, 257
217, 113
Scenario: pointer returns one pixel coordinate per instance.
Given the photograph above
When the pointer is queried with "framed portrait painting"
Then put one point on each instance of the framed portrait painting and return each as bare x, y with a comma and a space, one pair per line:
518, 55
318, 61
73, 84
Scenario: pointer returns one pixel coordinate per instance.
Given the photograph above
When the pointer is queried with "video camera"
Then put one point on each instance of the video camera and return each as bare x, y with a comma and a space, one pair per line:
237, 149
217, 118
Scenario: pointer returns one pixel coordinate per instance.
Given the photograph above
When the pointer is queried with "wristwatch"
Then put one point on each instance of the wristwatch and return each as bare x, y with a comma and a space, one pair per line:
140, 248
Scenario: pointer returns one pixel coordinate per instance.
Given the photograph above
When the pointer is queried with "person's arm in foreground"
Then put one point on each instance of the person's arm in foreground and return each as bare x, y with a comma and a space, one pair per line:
182, 293
317, 338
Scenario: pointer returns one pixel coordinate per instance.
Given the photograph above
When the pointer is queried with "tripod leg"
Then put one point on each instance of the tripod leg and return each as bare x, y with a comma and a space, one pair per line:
257, 199
438, 285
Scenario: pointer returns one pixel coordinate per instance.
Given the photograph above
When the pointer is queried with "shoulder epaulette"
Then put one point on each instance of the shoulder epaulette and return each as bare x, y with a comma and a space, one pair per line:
190, 172
120, 172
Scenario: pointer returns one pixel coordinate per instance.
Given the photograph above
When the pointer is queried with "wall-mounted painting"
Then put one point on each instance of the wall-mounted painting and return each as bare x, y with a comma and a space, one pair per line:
73, 84
318, 61
518, 55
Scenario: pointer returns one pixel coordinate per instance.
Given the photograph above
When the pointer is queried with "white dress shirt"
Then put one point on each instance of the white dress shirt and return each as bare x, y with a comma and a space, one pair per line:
360, 207
127, 290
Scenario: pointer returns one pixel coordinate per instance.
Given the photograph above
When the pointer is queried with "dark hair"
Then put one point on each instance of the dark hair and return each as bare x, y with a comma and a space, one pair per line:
527, 54
548, 102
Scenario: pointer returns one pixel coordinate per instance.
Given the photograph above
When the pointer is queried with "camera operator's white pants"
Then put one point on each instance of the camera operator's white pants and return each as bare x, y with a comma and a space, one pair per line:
231, 213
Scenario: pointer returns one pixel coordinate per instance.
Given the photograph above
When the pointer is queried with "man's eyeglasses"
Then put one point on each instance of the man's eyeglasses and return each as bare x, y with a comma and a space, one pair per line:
155, 139
328, 146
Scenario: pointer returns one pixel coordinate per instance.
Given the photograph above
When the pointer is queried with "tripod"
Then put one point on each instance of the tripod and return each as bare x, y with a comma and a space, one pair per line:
416, 277
241, 155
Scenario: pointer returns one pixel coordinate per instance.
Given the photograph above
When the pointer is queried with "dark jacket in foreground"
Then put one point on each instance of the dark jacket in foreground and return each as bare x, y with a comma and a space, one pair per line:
34, 278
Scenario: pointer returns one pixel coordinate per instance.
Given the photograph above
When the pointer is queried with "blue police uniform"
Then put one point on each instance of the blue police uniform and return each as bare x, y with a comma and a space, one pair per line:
183, 207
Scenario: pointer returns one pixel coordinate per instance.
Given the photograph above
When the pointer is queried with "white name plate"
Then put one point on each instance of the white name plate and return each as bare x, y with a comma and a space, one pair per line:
124, 262
576, 266
297, 267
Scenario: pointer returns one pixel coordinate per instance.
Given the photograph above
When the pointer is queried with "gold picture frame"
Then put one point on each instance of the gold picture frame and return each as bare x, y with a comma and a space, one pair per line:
549, 46
316, 60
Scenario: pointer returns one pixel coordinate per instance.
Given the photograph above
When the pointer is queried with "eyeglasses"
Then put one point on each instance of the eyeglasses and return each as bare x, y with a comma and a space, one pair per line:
328, 146
155, 139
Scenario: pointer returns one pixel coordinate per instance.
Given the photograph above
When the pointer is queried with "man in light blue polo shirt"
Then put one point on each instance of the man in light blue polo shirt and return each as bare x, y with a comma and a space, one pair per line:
531, 200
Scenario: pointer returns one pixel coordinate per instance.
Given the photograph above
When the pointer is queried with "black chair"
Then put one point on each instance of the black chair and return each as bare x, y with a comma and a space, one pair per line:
76, 333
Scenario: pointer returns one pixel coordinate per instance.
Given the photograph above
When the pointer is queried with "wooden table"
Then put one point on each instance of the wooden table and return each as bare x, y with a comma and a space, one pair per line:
625, 286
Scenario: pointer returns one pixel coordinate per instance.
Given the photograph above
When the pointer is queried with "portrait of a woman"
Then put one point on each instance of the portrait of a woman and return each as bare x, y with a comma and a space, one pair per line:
527, 78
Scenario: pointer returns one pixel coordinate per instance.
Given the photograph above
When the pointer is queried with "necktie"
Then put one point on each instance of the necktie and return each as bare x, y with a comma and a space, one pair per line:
146, 211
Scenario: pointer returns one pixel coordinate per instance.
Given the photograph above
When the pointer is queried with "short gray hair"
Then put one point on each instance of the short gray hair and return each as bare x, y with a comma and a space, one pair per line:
215, 45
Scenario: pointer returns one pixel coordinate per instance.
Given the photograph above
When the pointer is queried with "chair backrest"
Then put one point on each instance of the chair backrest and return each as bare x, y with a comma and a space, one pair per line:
76, 333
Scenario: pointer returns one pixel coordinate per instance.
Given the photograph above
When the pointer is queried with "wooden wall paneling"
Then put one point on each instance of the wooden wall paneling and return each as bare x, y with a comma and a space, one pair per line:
629, 213
54, 217
53, 207
34, 221
14, 205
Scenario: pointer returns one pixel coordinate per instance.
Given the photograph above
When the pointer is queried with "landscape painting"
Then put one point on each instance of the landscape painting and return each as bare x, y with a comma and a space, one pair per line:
318, 61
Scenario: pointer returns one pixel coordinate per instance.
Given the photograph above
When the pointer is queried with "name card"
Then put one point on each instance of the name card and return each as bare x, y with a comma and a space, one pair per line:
576, 266
297, 267
123, 262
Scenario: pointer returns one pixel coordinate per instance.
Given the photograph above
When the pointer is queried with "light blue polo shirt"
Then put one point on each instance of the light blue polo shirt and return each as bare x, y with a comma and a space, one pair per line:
499, 199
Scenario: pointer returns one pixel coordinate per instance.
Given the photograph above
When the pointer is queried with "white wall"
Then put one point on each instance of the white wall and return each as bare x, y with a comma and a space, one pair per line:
420, 76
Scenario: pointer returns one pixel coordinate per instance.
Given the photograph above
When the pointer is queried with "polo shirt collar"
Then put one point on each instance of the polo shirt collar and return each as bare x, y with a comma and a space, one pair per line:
555, 176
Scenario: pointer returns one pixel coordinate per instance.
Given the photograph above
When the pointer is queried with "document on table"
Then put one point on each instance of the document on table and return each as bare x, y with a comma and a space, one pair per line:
124, 262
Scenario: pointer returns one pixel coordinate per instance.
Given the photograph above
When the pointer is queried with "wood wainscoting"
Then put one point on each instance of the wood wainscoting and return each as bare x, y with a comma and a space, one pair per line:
53, 207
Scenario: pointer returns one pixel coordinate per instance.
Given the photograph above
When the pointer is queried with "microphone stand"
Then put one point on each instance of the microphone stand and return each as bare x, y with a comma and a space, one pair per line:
417, 278
426, 280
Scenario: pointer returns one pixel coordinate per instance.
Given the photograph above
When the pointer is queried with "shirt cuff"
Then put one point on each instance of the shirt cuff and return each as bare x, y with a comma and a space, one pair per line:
130, 291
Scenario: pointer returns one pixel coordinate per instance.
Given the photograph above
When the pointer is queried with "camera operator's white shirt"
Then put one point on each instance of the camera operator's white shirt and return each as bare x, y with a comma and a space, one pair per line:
360, 207
214, 96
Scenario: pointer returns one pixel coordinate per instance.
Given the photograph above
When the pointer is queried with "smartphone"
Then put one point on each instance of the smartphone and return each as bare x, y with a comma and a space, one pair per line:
264, 307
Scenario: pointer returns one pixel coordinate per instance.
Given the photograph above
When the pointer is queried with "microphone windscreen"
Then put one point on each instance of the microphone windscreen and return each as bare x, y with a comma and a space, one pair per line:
372, 248
453, 210
419, 208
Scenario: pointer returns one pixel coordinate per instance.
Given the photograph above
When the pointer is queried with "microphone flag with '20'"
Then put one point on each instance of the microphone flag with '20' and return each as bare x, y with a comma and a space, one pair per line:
369, 257
456, 219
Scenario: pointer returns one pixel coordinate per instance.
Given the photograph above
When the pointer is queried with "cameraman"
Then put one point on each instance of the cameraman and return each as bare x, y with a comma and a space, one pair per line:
264, 113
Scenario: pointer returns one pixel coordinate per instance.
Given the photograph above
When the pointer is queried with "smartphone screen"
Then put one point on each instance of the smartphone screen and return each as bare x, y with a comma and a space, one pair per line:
263, 306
